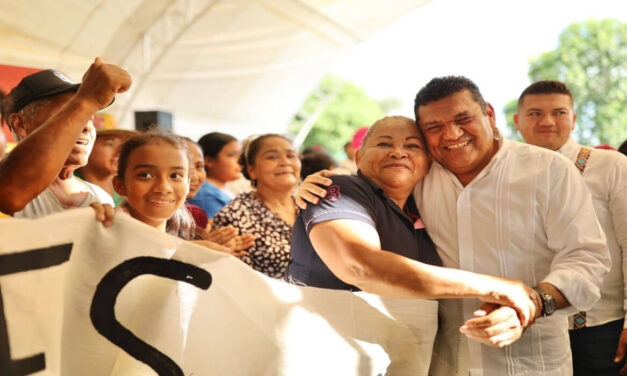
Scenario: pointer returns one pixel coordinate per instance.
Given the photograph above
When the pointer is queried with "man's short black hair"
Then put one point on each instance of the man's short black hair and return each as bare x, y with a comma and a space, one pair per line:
546, 87
442, 87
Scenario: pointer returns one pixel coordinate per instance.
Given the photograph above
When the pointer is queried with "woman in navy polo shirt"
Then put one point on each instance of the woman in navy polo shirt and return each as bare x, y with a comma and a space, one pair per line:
366, 233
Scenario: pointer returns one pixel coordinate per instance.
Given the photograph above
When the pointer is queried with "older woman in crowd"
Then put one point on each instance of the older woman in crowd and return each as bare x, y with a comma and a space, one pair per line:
268, 212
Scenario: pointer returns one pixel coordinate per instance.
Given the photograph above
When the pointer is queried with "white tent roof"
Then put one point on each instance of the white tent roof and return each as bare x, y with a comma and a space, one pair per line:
214, 64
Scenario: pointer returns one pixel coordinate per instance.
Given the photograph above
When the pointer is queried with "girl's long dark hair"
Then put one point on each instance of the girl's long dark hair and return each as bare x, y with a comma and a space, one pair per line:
181, 223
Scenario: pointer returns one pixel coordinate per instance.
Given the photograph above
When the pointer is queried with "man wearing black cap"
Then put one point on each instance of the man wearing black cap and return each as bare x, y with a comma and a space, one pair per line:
50, 117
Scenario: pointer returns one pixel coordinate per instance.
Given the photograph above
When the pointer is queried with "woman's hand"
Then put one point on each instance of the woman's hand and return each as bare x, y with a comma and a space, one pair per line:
243, 242
237, 252
240, 243
104, 213
494, 325
311, 188
227, 239
516, 294
222, 236
212, 245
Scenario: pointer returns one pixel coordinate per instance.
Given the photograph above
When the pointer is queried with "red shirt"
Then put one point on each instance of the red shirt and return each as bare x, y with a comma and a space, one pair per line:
200, 217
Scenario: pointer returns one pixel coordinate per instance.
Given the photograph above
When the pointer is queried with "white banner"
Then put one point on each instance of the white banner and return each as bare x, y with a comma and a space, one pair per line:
80, 299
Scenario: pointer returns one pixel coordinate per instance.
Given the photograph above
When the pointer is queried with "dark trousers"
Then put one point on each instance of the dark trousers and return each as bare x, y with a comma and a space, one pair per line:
594, 349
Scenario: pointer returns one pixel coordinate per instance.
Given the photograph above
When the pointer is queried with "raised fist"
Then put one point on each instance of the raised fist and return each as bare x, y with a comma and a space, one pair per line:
102, 82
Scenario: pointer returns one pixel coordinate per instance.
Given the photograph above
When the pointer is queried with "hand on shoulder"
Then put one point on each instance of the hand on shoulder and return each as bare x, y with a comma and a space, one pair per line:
311, 189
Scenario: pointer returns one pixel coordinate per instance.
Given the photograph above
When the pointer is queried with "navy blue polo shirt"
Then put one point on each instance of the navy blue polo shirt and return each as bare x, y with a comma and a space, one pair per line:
357, 197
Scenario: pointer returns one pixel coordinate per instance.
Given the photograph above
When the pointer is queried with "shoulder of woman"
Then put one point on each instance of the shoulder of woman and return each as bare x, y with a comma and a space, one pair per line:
352, 185
345, 180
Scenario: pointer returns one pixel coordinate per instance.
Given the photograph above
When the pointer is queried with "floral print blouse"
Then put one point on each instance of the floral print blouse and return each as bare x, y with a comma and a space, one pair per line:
271, 253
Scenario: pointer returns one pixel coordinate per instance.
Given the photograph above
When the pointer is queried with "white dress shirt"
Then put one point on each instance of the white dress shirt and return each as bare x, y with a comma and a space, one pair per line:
527, 215
605, 175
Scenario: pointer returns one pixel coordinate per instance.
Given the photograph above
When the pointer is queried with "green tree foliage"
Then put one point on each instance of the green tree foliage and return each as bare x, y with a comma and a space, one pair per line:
591, 58
345, 108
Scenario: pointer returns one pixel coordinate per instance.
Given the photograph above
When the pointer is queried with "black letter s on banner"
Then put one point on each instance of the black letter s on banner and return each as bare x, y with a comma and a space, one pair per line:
103, 304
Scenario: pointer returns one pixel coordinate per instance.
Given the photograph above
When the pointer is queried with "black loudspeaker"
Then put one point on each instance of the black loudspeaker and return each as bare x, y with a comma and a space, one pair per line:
146, 120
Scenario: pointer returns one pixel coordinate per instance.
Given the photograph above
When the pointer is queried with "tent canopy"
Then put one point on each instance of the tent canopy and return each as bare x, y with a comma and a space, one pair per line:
216, 65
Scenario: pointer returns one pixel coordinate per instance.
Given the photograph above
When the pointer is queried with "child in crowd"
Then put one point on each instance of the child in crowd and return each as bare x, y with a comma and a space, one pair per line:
153, 175
102, 163
221, 153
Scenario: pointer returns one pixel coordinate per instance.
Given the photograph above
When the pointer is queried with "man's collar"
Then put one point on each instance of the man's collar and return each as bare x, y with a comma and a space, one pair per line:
570, 147
503, 145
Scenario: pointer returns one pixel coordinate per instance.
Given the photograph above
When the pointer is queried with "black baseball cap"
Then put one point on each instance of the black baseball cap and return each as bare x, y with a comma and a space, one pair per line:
43, 84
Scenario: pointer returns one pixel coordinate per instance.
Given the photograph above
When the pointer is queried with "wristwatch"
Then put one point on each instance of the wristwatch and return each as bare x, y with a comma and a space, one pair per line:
548, 302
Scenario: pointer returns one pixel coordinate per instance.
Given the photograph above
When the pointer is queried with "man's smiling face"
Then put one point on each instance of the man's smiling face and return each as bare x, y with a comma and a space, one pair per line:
459, 135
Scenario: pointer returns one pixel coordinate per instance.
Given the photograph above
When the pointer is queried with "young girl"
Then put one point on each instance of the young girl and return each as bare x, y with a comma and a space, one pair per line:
153, 174
221, 153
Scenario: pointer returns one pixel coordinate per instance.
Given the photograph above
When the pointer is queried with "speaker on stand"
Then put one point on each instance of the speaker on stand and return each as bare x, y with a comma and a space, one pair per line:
147, 120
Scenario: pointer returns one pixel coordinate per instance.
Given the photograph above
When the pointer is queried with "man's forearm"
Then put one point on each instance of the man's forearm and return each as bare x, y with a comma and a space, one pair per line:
560, 299
547, 304
35, 162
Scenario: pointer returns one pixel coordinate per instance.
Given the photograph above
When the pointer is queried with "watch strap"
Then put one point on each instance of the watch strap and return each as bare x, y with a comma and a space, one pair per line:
548, 302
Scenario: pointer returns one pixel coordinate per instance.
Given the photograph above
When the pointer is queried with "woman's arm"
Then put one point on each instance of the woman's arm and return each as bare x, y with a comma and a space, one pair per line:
351, 250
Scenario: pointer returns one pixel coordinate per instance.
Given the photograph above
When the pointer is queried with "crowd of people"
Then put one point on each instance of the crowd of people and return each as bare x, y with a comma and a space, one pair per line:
441, 206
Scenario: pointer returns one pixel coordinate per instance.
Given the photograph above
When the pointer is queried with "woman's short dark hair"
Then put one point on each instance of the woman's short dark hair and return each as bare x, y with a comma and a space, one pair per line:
213, 142
181, 224
251, 149
442, 87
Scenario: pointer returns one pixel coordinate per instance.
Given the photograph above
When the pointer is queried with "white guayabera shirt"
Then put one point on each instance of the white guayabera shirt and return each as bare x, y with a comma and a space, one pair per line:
605, 175
528, 215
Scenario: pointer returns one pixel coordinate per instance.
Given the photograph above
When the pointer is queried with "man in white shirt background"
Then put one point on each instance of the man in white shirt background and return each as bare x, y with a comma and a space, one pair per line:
50, 117
546, 118
504, 208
